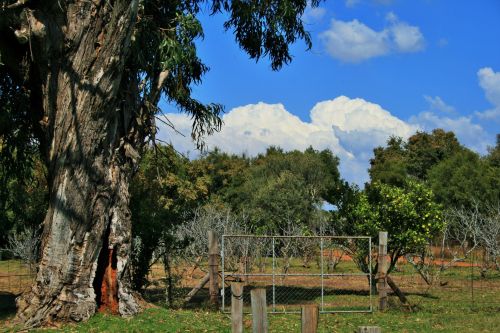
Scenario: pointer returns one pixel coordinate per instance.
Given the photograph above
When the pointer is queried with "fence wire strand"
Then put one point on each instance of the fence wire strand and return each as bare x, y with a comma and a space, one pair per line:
296, 270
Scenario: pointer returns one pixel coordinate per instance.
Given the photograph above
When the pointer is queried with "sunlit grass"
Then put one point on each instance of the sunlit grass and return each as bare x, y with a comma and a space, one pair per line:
461, 301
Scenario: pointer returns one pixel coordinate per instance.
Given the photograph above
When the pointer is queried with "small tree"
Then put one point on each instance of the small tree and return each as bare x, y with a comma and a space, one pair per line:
489, 235
469, 229
25, 245
211, 217
409, 214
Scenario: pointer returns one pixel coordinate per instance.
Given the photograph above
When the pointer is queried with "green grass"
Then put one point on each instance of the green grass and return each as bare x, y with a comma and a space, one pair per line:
156, 320
451, 307
441, 310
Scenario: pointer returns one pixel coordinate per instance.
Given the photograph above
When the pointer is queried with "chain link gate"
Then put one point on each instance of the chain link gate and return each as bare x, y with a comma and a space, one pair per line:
297, 270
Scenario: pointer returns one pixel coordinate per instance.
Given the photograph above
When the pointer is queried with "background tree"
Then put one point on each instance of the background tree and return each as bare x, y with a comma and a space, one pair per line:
23, 199
92, 73
23, 184
390, 164
464, 179
225, 173
493, 156
286, 187
472, 228
424, 150
414, 158
164, 194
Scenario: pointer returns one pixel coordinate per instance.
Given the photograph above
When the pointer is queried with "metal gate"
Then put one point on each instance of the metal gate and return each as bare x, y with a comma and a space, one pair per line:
297, 270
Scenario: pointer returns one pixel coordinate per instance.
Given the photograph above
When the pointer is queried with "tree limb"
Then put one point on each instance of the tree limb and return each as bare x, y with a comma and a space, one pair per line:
18, 4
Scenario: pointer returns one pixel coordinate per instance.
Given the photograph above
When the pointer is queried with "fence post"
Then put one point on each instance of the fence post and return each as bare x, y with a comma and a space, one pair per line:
237, 307
382, 270
369, 329
310, 314
213, 268
259, 311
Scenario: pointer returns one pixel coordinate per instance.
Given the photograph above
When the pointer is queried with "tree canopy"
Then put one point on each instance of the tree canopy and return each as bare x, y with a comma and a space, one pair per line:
465, 179
286, 187
414, 158
458, 176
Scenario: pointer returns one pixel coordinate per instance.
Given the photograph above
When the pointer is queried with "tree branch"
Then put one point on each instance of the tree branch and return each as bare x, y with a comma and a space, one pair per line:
18, 4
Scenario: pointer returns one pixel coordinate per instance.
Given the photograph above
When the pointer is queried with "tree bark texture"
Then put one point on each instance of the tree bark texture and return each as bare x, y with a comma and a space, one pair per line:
78, 50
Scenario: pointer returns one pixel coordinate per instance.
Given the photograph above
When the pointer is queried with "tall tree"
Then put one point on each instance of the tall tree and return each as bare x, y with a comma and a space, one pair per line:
92, 73
427, 149
389, 164
415, 157
493, 156
465, 180
280, 188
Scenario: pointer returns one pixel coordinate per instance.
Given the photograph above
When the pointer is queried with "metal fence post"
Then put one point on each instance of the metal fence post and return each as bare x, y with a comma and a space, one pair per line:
370, 276
222, 259
274, 273
322, 277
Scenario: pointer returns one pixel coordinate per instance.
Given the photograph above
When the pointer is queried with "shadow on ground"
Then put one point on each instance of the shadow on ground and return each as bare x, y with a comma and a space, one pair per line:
290, 295
7, 305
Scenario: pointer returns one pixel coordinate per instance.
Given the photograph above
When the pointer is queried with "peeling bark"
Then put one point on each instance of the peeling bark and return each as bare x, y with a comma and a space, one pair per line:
78, 59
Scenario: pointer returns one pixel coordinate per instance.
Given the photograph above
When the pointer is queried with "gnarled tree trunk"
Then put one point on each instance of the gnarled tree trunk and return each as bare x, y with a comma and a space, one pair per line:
78, 50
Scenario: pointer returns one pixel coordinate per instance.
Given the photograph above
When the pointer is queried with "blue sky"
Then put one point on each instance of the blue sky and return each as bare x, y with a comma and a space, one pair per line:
377, 68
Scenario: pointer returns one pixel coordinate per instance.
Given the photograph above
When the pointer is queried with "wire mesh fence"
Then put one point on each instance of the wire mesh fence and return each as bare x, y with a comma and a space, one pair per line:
484, 287
302, 270
15, 274
297, 270
439, 285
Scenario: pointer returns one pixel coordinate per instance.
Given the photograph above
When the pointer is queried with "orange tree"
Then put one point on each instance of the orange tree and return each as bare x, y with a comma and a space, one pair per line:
409, 214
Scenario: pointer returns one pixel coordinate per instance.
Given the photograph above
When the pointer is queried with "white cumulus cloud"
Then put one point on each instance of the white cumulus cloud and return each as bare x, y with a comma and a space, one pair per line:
437, 104
312, 14
441, 115
407, 38
489, 80
353, 41
350, 128
468, 133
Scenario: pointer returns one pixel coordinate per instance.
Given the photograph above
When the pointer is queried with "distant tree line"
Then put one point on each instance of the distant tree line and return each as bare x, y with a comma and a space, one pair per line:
420, 190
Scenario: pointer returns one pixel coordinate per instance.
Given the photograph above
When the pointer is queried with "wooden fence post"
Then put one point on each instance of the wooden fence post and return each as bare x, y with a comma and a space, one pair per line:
383, 266
213, 268
259, 310
369, 329
237, 307
197, 288
310, 314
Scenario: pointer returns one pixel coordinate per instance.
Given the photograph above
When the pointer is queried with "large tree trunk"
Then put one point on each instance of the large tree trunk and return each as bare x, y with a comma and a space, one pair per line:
78, 51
